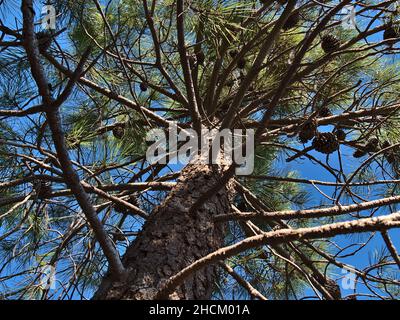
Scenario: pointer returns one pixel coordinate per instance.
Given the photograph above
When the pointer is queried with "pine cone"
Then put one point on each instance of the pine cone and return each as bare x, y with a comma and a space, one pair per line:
233, 53
359, 153
43, 189
340, 134
200, 56
45, 39
143, 86
372, 145
385, 144
326, 143
308, 131
292, 21
324, 112
390, 155
241, 64
390, 33
330, 43
118, 132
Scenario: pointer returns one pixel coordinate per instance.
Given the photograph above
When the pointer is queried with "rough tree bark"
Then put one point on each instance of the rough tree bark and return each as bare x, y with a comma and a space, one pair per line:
172, 238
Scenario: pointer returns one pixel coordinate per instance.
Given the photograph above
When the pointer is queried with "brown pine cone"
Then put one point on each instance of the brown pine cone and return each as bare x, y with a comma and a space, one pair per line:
43, 189
390, 154
241, 64
340, 134
324, 112
330, 43
359, 153
143, 86
308, 131
325, 142
118, 132
292, 21
372, 145
391, 33
200, 57
45, 40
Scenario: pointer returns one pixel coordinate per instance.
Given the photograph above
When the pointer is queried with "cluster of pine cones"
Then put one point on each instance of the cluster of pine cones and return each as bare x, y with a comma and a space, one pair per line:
42, 189
309, 129
391, 155
373, 146
324, 142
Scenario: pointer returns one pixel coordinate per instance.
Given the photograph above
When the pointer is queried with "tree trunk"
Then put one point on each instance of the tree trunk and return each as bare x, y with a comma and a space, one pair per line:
172, 238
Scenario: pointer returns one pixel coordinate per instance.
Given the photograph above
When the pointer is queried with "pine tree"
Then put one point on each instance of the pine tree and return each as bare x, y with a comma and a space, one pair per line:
78, 194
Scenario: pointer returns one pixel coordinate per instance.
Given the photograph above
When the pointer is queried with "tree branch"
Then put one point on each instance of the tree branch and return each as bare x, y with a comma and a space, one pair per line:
31, 47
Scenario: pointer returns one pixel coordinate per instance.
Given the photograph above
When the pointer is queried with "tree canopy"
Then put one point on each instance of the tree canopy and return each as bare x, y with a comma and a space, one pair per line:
318, 81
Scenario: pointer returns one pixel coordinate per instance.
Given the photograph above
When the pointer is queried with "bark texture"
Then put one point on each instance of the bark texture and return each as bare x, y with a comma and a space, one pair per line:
172, 238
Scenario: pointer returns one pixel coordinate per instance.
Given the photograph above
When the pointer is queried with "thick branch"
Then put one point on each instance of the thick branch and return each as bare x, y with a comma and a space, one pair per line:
280, 236
70, 176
